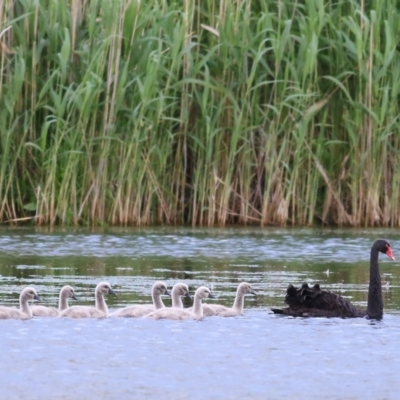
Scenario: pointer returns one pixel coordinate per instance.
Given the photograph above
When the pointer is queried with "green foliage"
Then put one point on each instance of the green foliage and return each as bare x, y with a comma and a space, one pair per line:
140, 112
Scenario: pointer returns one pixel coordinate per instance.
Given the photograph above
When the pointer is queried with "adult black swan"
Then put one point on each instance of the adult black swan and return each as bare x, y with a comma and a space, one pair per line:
314, 302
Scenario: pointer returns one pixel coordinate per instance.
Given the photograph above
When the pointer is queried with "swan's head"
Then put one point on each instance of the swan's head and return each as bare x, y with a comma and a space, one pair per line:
384, 247
246, 288
204, 292
29, 293
160, 288
181, 289
104, 288
68, 292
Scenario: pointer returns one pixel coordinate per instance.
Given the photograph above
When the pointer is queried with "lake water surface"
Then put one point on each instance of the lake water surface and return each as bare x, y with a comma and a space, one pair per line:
256, 356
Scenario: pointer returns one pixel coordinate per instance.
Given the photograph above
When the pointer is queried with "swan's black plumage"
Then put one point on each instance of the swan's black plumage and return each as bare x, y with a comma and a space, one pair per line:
309, 301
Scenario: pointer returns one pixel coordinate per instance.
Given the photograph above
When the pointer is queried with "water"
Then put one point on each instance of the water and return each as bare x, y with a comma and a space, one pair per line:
258, 355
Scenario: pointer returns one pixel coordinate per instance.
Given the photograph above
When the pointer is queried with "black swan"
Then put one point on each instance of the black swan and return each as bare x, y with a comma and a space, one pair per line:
314, 302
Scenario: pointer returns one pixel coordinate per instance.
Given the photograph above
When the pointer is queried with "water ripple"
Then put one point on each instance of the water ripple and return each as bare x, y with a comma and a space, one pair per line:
257, 245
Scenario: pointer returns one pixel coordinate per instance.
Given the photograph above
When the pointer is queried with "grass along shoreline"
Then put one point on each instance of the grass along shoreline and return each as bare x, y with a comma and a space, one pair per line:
138, 113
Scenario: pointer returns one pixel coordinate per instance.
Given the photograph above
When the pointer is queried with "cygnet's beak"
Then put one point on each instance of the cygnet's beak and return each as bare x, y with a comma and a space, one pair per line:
188, 295
253, 293
36, 297
211, 296
112, 292
74, 297
167, 293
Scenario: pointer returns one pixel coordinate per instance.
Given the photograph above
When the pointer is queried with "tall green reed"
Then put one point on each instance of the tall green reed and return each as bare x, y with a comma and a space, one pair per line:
201, 113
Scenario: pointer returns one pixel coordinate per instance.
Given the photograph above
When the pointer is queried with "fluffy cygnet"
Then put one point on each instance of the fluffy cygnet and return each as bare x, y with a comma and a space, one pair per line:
99, 311
66, 292
24, 311
140, 310
178, 313
179, 290
237, 309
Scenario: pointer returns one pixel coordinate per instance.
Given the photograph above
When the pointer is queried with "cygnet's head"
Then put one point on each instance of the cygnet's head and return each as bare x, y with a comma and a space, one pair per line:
104, 288
181, 289
246, 288
159, 288
29, 293
204, 292
68, 292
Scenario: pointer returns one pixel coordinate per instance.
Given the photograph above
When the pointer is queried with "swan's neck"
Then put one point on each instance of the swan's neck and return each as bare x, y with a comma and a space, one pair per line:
158, 303
197, 307
176, 300
24, 307
62, 302
375, 301
239, 302
101, 303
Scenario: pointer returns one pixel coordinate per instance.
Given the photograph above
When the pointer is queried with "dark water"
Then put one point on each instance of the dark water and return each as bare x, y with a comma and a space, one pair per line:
256, 356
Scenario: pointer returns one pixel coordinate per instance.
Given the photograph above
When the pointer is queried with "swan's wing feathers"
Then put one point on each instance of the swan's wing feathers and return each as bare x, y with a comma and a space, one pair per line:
332, 301
312, 301
304, 296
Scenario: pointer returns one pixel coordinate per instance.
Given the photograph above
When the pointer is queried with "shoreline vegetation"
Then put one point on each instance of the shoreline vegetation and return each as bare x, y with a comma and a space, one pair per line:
203, 113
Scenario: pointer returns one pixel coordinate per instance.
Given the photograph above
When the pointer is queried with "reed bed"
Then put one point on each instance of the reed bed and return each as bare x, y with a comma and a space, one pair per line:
130, 112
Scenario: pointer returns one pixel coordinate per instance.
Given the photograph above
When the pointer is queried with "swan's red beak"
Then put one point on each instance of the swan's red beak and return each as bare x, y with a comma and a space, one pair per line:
389, 253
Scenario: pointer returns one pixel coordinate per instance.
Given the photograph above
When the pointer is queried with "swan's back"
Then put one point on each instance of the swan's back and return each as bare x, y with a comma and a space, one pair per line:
313, 302
82, 312
135, 311
12, 313
43, 311
171, 313
210, 310
222, 311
